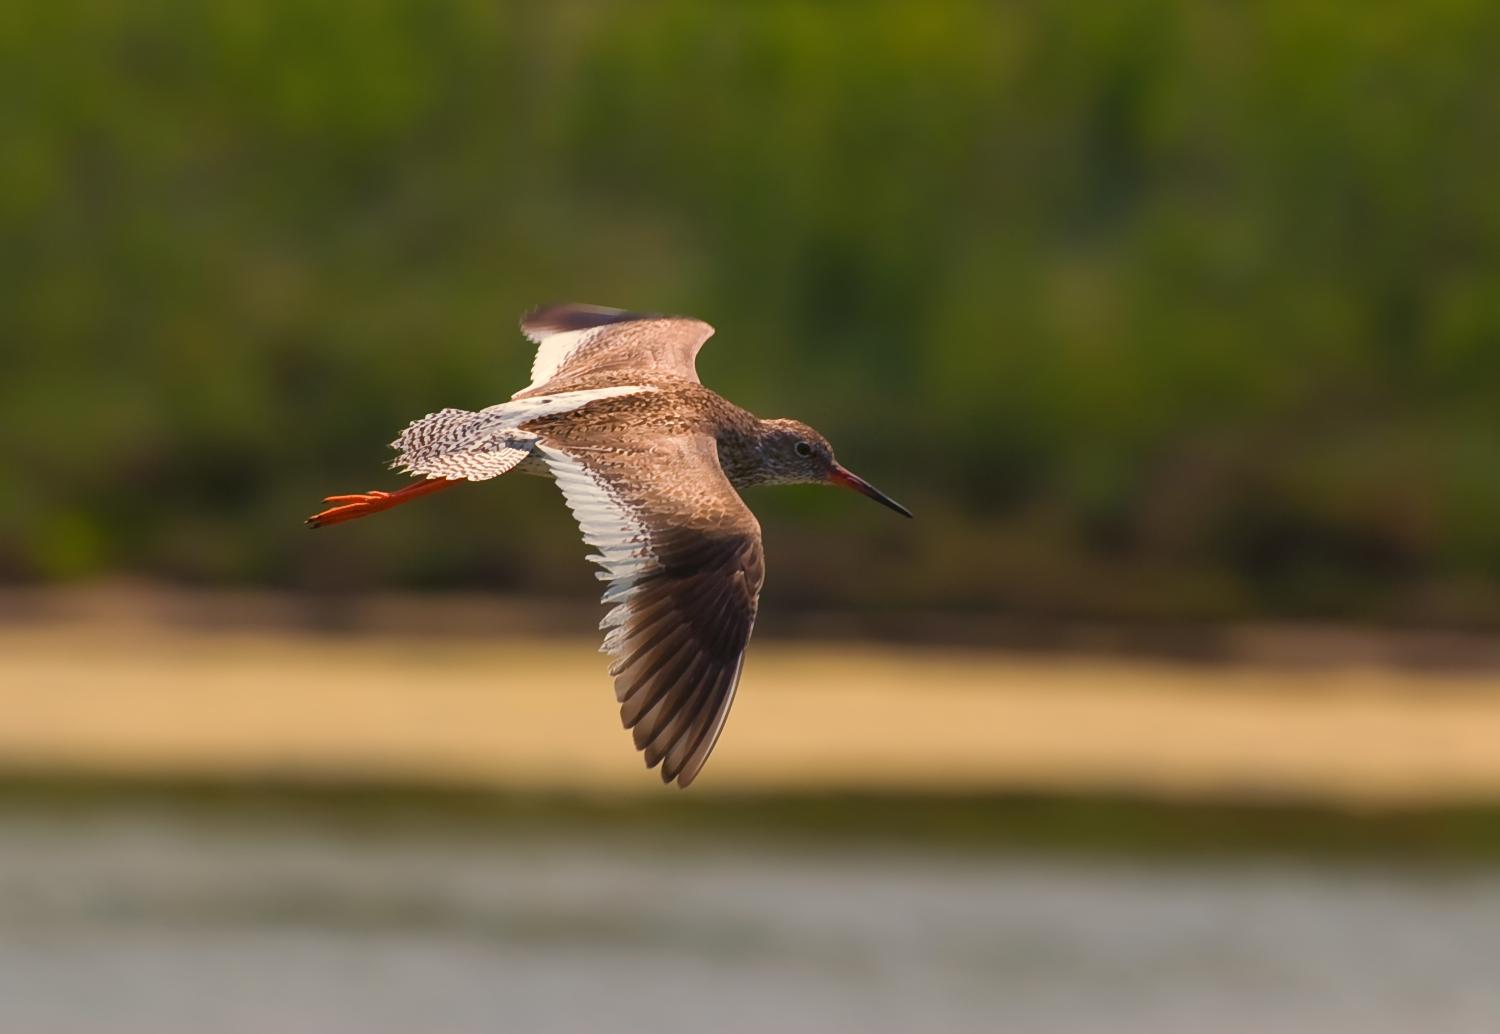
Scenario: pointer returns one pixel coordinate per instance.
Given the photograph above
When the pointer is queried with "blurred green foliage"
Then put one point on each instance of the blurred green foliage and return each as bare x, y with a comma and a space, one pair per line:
1150, 309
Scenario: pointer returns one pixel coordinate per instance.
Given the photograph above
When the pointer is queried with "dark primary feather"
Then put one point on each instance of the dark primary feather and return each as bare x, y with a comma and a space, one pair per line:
562, 317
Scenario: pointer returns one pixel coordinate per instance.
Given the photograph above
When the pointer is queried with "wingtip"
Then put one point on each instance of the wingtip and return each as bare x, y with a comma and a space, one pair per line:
561, 317
683, 778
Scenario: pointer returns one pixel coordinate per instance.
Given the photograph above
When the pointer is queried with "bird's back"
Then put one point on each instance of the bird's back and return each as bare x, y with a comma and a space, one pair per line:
663, 406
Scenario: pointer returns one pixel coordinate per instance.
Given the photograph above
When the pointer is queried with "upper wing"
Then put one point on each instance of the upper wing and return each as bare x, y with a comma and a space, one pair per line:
575, 341
682, 554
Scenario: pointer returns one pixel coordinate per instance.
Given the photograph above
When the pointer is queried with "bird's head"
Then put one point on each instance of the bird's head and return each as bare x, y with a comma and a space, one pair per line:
794, 454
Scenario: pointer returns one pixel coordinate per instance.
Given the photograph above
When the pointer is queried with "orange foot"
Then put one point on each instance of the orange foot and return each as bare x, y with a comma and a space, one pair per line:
365, 503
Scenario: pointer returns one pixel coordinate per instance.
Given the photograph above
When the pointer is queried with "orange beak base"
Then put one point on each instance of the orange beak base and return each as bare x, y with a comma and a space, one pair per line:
848, 479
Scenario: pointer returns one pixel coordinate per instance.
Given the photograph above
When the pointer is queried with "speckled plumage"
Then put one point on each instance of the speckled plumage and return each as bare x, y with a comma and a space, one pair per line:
649, 461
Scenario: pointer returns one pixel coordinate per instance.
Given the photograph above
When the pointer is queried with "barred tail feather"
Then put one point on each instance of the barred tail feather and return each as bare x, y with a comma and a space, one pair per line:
460, 444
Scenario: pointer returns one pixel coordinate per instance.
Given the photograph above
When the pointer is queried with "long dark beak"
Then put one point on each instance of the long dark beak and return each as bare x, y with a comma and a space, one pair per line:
848, 479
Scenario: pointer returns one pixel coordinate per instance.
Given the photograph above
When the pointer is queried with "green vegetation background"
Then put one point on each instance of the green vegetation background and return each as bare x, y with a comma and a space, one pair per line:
1150, 309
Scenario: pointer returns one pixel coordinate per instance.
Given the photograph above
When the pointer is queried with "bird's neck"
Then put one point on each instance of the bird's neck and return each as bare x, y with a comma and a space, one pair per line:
741, 453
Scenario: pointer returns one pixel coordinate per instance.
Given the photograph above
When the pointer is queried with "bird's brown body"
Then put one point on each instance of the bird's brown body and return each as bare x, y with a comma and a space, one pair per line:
650, 462
677, 407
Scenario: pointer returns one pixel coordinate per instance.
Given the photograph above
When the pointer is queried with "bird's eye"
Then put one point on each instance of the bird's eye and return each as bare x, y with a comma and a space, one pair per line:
803, 449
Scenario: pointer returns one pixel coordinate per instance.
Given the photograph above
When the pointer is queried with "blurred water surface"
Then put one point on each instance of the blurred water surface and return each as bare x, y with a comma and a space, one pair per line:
128, 921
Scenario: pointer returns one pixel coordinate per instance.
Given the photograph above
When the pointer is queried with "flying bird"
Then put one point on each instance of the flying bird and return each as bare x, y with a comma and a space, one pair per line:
651, 463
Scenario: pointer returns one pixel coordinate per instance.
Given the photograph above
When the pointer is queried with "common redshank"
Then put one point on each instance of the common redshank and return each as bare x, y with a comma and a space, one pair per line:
650, 462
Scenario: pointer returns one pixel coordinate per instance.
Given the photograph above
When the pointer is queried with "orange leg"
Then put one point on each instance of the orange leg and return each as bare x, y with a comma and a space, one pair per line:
366, 503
